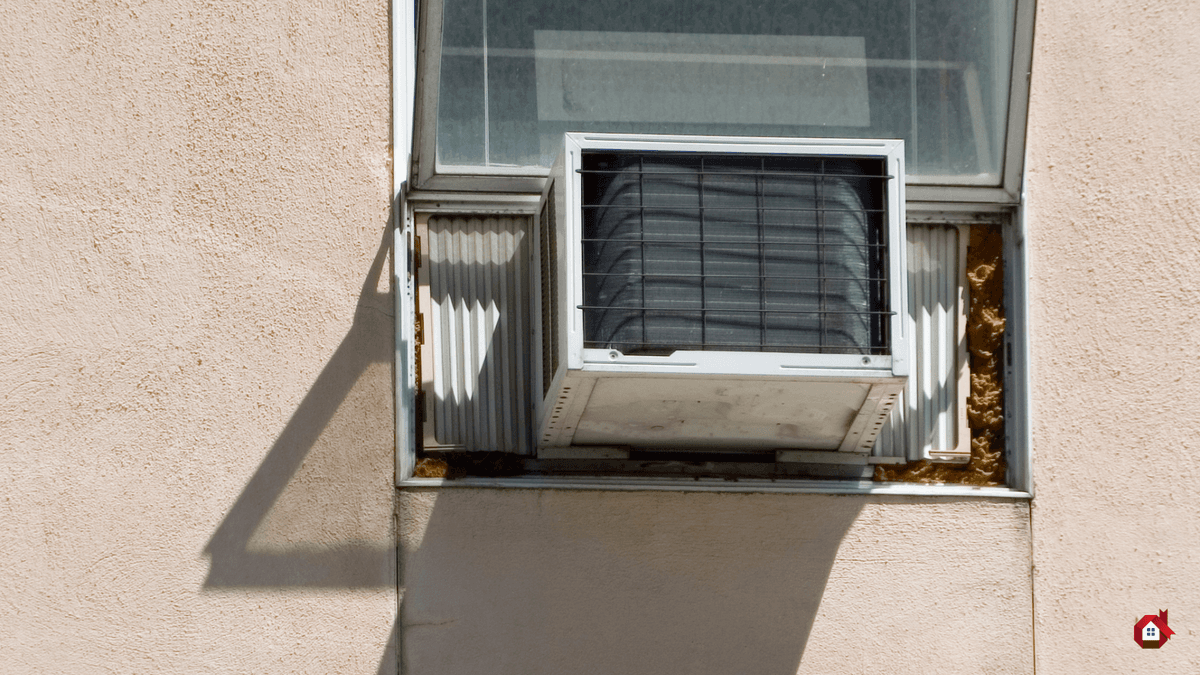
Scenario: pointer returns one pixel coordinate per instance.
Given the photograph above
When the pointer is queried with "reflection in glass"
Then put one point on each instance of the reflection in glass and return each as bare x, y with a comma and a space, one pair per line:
517, 74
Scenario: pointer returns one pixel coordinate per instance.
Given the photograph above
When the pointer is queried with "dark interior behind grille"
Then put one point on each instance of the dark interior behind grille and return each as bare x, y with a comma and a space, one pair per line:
734, 252
549, 279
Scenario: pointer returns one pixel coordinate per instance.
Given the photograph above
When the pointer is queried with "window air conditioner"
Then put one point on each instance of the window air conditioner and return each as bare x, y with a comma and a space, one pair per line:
719, 293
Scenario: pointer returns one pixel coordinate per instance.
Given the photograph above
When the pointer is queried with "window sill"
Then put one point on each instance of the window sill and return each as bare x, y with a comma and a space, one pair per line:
625, 483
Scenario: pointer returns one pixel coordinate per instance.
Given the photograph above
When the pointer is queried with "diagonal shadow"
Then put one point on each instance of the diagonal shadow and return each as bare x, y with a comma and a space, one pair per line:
526, 581
561, 581
321, 560
357, 382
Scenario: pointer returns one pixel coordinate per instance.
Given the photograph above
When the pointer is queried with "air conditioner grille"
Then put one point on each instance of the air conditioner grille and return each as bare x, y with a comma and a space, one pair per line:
734, 253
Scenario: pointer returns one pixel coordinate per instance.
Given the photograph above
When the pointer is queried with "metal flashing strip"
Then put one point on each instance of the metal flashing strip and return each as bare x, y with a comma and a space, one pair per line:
1018, 364
404, 77
852, 487
404, 400
488, 203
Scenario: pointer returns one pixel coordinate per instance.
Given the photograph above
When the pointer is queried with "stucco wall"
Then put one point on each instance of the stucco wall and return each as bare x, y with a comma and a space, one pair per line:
1114, 154
195, 399
518, 581
195, 338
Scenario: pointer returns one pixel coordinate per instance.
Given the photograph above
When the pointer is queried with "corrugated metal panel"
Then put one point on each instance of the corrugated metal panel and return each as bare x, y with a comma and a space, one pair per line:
478, 325
931, 421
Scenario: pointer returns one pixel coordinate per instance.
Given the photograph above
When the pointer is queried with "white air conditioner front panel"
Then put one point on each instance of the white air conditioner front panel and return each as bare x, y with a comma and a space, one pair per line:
708, 293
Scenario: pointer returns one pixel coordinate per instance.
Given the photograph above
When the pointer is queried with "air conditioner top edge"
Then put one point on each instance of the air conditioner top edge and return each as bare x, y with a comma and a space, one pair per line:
694, 143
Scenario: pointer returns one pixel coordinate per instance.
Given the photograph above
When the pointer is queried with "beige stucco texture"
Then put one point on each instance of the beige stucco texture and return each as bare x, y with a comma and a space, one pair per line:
1114, 155
195, 338
196, 417
516, 581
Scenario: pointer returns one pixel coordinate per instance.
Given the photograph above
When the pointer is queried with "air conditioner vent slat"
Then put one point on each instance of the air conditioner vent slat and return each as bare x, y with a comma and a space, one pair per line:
732, 244
697, 209
775, 173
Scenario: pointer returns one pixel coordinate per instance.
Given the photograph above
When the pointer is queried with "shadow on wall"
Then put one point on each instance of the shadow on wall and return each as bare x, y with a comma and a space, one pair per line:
522, 581
315, 515
554, 581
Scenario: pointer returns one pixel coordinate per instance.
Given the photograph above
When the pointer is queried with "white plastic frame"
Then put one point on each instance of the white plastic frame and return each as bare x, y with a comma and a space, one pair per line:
895, 364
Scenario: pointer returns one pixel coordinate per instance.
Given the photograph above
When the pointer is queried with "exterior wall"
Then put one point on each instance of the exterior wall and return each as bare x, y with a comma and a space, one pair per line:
551, 581
195, 339
195, 394
1114, 142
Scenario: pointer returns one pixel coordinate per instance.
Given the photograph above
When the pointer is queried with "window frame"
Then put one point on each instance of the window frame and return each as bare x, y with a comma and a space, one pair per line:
421, 185
429, 174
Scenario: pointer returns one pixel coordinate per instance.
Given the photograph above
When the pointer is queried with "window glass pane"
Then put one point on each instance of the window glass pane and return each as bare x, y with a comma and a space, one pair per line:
517, 74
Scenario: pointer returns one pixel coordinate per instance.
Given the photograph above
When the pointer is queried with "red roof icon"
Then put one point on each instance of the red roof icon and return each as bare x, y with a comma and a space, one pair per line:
1152, 632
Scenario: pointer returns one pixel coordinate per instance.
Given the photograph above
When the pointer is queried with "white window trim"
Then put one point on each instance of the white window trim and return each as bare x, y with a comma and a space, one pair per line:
498, 190
404, 87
